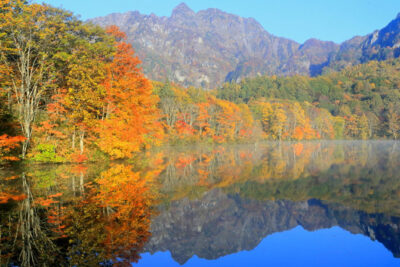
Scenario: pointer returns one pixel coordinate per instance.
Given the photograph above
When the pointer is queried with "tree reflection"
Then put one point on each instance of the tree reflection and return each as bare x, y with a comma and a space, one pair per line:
87, 215
111, 221
107, 223
363, 175
26, 239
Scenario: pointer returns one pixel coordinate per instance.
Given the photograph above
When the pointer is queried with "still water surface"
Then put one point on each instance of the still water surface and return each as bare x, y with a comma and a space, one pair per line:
269, 204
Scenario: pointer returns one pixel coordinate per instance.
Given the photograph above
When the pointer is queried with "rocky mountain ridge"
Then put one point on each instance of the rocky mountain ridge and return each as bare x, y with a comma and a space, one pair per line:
209, 47
380, 45
219, 224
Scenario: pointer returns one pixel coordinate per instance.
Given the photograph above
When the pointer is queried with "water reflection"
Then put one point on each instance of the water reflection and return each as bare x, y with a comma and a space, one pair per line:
219, 224
362, 175
227, 200
53, 220
204, 201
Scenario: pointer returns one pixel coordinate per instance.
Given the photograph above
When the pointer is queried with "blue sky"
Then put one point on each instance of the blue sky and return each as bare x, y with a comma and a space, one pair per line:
333, 20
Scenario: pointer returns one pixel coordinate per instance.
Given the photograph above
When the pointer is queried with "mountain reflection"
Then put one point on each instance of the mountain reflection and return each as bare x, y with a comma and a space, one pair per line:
221, 224
227, 200
204, 201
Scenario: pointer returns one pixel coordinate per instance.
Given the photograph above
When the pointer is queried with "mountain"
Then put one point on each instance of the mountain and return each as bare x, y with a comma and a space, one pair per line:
209, 47
220, 224
380, 45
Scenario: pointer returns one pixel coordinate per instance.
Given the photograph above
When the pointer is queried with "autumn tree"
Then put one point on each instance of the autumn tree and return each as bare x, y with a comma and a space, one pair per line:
274, 120
202, 122
245, 125
30, 42
363, 127
130, 117
86, 73
168, 104
7, 145
393, 123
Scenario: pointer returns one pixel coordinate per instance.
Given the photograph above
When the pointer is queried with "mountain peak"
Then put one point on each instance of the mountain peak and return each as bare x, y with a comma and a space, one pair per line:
398, 16
182, 9
207, 47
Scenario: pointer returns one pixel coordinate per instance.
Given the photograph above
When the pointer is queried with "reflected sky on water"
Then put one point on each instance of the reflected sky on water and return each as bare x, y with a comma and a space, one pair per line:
296, 247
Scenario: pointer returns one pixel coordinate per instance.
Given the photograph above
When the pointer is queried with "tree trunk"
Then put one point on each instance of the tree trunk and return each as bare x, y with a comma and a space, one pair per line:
81, 187
73, 140
36, 245
81, 141
27, 130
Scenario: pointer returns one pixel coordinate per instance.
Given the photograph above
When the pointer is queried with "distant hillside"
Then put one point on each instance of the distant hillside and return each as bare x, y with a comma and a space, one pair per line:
209, 47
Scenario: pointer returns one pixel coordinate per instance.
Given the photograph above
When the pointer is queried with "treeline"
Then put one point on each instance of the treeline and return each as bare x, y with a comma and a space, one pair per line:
366, 96
191, 114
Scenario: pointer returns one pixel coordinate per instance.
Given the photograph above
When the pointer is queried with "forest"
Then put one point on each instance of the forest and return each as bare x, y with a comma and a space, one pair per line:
74, 92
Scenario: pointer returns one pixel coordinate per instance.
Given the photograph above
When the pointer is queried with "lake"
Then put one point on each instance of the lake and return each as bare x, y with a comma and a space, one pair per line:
334, 203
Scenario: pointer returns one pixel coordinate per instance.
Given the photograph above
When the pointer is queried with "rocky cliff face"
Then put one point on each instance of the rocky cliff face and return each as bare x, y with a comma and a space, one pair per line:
379, 45
220, 224
209, 47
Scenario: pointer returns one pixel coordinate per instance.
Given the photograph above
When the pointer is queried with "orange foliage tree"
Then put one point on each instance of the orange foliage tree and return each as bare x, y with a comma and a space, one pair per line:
131, 115
7, 145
